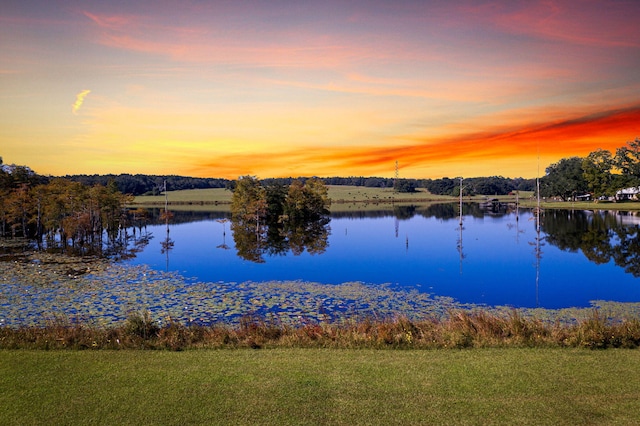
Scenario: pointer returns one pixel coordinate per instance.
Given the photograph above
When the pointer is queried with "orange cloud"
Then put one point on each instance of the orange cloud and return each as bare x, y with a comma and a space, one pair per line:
479, 152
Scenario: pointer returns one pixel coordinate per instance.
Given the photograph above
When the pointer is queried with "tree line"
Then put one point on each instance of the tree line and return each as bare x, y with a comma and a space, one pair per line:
492, 185
600, 174
140, 184
60, 212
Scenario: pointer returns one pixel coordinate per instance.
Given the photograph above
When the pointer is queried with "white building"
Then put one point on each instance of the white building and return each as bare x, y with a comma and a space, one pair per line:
632, 193
10, 168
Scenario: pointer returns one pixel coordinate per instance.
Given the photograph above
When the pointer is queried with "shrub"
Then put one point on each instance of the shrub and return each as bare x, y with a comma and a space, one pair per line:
141, 326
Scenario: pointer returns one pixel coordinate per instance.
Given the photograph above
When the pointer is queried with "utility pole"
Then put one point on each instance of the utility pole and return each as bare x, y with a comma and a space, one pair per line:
461, 201
461, 228
395, 178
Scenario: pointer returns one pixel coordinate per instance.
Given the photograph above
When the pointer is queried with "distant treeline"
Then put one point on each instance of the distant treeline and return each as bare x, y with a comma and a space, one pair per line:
153, 184
492, 185
140, 184
149, 184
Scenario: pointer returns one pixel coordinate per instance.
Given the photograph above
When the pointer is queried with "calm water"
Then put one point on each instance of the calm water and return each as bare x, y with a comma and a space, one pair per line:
497, 258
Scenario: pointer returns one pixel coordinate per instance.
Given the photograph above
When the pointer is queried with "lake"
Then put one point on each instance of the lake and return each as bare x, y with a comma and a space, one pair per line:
498, 257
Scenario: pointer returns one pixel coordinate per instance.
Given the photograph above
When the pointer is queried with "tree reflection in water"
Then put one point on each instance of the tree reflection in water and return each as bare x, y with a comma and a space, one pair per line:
253, 242
601, 236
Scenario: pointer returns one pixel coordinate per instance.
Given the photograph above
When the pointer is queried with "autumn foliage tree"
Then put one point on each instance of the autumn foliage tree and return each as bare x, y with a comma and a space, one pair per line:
249, 201
60, 212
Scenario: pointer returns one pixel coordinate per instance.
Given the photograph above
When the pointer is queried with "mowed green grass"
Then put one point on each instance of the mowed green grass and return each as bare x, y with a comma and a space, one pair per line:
337, 193
344, 193
319, 386
344, 197
209, 195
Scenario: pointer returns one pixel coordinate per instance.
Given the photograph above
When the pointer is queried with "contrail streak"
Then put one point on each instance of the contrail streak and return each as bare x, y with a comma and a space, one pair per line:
79, 100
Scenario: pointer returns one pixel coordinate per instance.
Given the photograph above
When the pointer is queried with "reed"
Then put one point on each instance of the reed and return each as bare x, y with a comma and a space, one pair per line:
459, 329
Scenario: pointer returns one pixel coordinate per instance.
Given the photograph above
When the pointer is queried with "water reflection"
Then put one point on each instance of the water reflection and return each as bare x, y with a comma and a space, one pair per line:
537, 244
224, 245
254, 241
494, 257
601, 236
167, 244
459, 245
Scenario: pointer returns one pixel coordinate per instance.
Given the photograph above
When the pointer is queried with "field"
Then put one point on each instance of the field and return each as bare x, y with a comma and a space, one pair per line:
343, 198
346, 198
319, 386
197, 196
337, 193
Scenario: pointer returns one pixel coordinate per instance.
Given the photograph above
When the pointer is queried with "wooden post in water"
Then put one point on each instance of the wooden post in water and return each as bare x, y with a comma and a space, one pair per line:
461, 201
460, 238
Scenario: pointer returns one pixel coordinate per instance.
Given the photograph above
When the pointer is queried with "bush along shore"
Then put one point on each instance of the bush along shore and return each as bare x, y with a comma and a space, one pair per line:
459, 329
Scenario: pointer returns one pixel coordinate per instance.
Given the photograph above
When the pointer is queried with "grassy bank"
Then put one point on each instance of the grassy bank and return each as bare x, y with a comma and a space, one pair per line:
585, 205
319, 386
459, 329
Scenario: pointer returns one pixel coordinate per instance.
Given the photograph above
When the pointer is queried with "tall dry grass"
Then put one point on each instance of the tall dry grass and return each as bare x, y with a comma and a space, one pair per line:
459, 329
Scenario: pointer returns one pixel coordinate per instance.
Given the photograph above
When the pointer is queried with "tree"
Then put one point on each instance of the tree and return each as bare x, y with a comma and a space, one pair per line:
404, 186
307, 201
597, 172
294, 207
317, 199
276, 195
19, 204
627, 159
564, 179
249, 202
276, 218
492, 185
444, 186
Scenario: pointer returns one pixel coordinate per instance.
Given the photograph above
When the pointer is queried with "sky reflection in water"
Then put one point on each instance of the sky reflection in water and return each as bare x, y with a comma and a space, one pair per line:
497, 267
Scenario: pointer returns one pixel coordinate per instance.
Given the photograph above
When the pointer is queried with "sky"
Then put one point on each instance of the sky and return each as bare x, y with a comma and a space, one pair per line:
315, 88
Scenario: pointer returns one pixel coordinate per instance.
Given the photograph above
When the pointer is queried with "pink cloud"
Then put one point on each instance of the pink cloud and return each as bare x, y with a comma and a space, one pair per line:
245, 46
592, 23
113, 22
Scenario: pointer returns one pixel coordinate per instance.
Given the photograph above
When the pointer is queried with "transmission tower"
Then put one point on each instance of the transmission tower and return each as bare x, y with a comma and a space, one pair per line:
395, 178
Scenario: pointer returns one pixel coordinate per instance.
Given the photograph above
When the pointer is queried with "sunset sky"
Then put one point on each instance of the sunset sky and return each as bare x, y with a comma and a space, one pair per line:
325, 88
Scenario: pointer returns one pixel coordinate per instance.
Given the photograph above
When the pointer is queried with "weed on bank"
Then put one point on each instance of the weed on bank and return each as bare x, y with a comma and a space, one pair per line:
459, 329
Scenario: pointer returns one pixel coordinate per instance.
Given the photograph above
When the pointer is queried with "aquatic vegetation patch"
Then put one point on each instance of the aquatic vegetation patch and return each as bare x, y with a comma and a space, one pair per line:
42, 288
39, 289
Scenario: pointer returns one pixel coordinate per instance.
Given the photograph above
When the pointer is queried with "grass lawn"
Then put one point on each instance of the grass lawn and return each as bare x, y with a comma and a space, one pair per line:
345, 198
337, 193
319, 386
211, 195
341, 196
